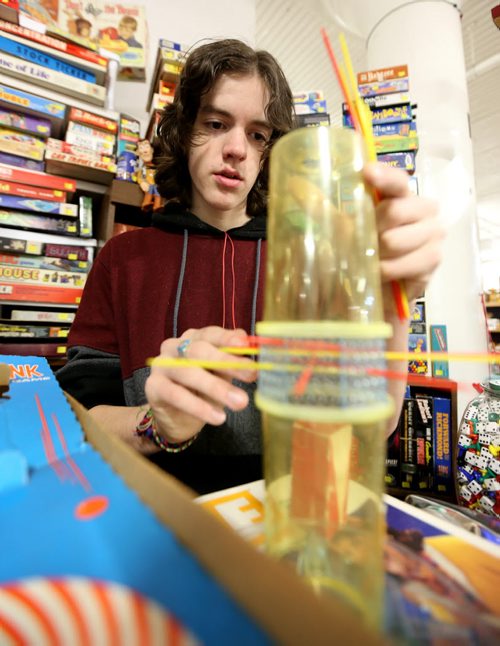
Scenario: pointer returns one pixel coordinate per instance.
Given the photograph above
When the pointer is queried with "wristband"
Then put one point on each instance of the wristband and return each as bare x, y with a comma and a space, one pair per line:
147, 428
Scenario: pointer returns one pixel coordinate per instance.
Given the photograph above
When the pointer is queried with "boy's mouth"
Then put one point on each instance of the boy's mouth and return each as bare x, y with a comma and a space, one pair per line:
228, 178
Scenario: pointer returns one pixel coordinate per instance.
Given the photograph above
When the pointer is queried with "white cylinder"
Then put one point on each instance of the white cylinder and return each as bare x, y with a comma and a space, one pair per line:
427, 36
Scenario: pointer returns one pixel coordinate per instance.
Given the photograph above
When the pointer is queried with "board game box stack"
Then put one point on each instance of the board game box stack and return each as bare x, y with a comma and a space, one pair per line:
55, 125
42, 202
88, 150
46, 252
310, 109
99, 25
53, 63
55, 130
386, 92
27, 120
31, 113
129, 131
23, 139
170, 58
418, 340
419, 455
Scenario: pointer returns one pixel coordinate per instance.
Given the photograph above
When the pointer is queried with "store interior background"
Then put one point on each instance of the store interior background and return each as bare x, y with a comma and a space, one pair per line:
291, 31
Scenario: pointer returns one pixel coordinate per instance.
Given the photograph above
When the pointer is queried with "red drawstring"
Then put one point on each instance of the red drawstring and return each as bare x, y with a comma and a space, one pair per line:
233, 295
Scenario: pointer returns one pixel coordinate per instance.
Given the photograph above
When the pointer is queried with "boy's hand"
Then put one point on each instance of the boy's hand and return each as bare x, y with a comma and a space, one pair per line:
184, 399
409, 232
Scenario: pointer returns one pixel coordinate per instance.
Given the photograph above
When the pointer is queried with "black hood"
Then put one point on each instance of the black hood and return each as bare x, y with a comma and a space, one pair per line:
175, 217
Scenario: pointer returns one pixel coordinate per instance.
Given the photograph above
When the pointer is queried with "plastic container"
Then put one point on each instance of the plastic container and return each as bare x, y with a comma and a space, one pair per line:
478, 451
324, 401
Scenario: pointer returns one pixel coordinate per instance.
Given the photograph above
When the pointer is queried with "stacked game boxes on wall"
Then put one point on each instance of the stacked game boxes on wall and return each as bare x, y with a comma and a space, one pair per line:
418, 340
386, 92
170, 59
129, 132
52, 63
47, 74
45, 256
419, 453
419, 456
23, 138
88, 150
119, 28
53, 131
31, 119
38, 217
310, 109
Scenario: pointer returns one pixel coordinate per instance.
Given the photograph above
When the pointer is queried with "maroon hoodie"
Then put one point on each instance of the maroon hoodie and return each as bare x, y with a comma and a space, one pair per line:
152, 284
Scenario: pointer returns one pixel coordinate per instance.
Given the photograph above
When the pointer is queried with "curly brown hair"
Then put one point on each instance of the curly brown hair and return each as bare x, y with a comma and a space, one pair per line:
203, 68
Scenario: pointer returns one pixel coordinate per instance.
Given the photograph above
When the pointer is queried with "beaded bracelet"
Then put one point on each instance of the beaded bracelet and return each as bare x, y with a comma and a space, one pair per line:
147, 428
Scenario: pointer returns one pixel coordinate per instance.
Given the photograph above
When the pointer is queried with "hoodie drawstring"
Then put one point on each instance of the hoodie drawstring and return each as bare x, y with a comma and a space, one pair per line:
180, 282
256, 287
182, 272
233, 280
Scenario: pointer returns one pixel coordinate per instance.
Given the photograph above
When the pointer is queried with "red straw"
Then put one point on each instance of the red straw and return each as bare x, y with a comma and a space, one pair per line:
398, 290
342, 82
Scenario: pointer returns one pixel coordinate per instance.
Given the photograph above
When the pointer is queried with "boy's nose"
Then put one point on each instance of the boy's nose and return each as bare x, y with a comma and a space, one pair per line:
235, 144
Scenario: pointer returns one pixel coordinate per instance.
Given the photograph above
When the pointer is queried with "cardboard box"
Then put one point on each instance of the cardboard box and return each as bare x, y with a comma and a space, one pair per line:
112, 524
441, 579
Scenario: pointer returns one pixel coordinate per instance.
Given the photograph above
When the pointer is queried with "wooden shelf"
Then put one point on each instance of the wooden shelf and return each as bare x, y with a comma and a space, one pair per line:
432, 382
122, 203
399, 492
128, 193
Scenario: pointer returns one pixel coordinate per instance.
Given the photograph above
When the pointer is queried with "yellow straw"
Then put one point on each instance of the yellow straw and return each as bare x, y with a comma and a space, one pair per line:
365, 121
176, 362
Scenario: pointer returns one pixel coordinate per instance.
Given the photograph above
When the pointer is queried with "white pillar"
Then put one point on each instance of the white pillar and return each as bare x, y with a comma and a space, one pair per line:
427, 36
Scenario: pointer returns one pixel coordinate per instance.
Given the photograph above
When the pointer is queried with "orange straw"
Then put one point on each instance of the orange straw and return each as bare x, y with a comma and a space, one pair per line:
362, 122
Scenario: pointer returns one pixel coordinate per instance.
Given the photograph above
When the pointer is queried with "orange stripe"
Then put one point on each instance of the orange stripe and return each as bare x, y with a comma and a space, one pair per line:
300, 386
11, 632
341, 81
108, 614
34, 608
74, 467
174, 631
48, 444
81, 629
141, 619
51, 454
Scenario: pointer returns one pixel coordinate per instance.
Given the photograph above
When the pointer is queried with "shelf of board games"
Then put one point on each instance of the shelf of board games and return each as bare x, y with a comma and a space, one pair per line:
441, 388
26, 299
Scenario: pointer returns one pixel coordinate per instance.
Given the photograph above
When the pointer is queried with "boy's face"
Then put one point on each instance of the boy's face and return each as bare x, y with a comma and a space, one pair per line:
229, 138
126, 31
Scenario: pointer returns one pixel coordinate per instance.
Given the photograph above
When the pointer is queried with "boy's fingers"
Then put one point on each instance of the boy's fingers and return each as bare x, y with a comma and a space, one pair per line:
389, 182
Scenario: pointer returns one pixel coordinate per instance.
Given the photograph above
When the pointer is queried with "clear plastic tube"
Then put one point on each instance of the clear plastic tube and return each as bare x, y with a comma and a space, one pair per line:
325, 403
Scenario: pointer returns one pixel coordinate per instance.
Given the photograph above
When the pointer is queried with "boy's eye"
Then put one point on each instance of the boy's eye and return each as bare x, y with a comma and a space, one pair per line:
215, 125
261, 139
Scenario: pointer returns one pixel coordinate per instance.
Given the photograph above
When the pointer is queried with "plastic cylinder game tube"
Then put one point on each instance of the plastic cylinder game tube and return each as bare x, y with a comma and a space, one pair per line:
325, 403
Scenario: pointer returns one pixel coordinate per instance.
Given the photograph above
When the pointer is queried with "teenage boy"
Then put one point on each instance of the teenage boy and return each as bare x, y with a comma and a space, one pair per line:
193, 282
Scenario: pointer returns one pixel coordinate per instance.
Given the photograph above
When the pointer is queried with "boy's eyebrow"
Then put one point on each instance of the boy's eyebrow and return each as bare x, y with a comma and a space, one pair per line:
209, 108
